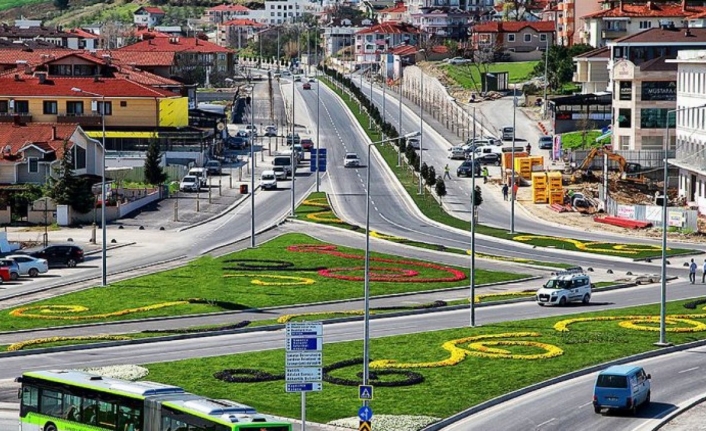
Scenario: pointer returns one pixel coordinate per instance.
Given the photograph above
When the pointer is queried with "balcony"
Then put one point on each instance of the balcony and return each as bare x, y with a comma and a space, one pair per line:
86, 119
614, 33
19, 118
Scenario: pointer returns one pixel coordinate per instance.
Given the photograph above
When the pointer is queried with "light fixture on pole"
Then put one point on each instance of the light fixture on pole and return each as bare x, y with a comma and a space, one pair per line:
663, 279
104, 275
366, 286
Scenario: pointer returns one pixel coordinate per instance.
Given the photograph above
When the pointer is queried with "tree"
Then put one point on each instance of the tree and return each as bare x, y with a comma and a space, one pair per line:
154, 174
61, 4
425, 172
560, 69
69, 189
431, 176
440, 188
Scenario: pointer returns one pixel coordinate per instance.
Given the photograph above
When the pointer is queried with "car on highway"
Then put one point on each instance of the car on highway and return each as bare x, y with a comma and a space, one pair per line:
622, 387
68, 255
251, 129
413, 143
293, 140
545, 142
190, 184
306, 86
12, 267
351, 160
268, 180
307, 144
28, 265
271, 130
457, 152
213, 167
468, 168
565, 287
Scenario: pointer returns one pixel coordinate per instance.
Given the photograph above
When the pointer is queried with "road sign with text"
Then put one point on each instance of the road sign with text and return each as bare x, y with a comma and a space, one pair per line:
303, 361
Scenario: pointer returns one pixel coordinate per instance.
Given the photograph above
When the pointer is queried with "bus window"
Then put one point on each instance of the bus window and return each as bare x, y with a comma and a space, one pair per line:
50, 403
128, 419
106, 415
88, 414
30, 399
72, 408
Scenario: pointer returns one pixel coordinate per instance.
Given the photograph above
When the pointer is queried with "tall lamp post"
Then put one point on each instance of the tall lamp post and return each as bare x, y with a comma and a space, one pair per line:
366, 313
104, 274
663, 284
421, 123
513, 195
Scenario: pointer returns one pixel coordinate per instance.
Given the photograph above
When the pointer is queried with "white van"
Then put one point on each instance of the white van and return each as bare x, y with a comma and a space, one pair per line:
284, 160
268, 180
201, 174
567, 286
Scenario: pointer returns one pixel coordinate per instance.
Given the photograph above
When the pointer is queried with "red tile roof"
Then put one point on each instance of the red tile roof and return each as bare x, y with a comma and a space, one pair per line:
398, 8
143, 59
230, 8
34, 57
40, 134
603, 52
243, 23
175, 44
54, 86
439, 49
389, 28
513, 26
143, 33
403, 50
83, 33
696, 37
151, 9
649, 9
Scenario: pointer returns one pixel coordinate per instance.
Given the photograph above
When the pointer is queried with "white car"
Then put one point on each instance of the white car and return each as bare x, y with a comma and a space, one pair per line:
413, 142
268, 180
30, 266
565, 287
251, 129
190, 184
351, 160
458, 60
457, 152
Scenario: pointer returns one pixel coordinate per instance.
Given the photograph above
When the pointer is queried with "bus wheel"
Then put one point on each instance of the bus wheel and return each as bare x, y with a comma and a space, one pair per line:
50, 427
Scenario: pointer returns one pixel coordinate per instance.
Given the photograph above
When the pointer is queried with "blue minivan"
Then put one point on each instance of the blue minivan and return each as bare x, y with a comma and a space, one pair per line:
621, 387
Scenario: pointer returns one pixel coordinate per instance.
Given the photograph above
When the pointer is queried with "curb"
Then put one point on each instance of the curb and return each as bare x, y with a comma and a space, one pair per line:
670, 417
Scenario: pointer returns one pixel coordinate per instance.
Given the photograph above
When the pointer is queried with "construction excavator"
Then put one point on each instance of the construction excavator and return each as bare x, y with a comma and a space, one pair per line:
629, 172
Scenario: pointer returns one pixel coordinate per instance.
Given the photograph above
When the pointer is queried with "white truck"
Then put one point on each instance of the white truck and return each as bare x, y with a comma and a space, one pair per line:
565, 287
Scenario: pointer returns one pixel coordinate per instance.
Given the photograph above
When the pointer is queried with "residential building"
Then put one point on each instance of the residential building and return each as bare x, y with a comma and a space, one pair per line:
445, 22
372, 41
237, 32
75, 39
226, 12
396, 60
148, 16
338, 37
592, 70
644, 84
396, 13
626, 18
288, 11
690, 130
195, 60
31, 152
513, 40
569, 20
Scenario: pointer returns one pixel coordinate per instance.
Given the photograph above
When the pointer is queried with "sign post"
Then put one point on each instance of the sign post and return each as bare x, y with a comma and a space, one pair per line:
304, 359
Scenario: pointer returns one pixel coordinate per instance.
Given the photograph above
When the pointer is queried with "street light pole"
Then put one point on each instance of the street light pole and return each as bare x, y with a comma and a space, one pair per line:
104, 269
293, 162
663, 282
473, 230
252, 166
399, 132
318, 120
366, 285
513, 194
546, 79
421, 126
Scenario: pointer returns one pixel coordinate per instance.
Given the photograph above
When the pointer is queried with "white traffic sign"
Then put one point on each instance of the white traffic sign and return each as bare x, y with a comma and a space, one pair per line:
304, 387
304, 329
304, 359
302, 374
304, 343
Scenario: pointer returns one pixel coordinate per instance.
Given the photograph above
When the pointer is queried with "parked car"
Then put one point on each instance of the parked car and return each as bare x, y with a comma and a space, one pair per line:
4, 274
12, 267
486, 158
351, 160
468, 168
237, 142
268, 180
458, 60
28, 265
242, 134
213, 167
199, 173
622, 387
545, 142
190, 184
271, 130
251, 129
307, 144
457, 152
306, 86
58, 255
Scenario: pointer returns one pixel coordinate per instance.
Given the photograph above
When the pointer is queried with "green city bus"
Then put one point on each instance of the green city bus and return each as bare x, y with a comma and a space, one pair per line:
70, 400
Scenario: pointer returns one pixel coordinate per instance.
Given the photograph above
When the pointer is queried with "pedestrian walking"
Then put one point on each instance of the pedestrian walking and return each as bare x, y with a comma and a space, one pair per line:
515, 188
484, 172
703, 276
446, 172
692, 272
506, 189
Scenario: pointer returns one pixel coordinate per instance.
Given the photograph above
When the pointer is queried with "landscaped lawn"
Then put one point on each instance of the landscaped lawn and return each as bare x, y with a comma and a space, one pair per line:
537, 350
431, 208
579, 140
468, 75
290, 269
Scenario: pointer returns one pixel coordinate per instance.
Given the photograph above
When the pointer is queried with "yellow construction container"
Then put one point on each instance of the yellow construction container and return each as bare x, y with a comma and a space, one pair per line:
554, 178
539, 181
539, 197
556, 196
537, 161
523, 164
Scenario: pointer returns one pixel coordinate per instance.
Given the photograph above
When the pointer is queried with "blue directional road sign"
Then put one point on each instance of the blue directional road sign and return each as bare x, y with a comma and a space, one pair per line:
318, 160
365, 392
304, 387
365, 413
304, 344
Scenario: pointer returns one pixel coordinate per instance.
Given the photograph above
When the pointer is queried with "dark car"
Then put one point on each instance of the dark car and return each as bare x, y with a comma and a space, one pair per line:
468, 168
12, 267
59, 255
306, 86
488, 158
545, 142
237, 142
295, 140
307, 144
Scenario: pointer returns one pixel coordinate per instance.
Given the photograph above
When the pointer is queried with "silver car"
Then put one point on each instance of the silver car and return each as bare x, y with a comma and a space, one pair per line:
28, 265
351, 160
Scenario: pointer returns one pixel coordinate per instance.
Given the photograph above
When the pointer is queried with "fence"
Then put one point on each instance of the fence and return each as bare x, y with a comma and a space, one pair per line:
676, 217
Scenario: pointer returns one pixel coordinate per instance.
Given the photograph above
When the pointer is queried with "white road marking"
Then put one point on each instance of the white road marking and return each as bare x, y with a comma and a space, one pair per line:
688, 369
545, 423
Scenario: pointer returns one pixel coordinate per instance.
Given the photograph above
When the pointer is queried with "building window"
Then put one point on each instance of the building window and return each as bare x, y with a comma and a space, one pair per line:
655, 119
624, 118
625, 90
74, 108
542, 37
21, 106
60, 69
84, 70
511, 37
4, 107
108, 108
645, 24
625, 142
50, 107
528, 38
123, 104
33, 165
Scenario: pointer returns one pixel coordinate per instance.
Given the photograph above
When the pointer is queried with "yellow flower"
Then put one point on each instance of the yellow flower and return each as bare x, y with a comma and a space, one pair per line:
298, 281
55, 312
586, 246
19, 346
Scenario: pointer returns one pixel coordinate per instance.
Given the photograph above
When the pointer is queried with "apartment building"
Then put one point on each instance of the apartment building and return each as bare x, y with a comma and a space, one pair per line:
569, 16
148, 16
372, 41
237, 32
690, 130
288, 11
644, 84
74, 39
592, 70
226, 12
517, 40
